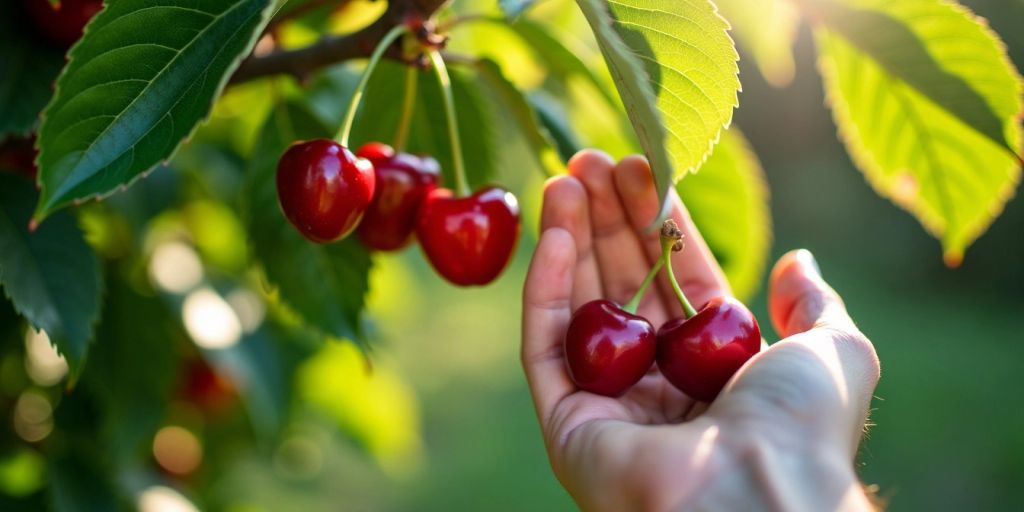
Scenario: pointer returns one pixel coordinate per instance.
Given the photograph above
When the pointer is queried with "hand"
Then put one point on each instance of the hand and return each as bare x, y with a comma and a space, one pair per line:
783, 433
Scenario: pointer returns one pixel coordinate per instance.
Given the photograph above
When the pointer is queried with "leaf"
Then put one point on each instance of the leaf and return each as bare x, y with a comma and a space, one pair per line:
936, 148
51, 276
78, 485
766, 30
516, 108
728, 200
514, 8
675, 68
553, 118
325, 284
145, 73
27, 72
132, 370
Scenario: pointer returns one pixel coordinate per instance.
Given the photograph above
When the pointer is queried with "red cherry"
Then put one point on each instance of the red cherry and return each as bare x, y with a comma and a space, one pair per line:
205, 387
700, 354
403, 181
64, 23
19, 154
323, 188
469, 240
608, 349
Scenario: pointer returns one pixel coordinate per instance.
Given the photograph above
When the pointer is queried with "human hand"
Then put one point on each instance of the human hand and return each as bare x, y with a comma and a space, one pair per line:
782, 434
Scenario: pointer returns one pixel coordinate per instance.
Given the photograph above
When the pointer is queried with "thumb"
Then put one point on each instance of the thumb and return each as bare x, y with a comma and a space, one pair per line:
800, 300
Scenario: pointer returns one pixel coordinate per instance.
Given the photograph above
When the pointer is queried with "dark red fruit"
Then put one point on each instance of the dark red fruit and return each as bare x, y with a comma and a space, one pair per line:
65, 22
701, 354
205, 387
608, 349
323, 188
403, 181
469, 240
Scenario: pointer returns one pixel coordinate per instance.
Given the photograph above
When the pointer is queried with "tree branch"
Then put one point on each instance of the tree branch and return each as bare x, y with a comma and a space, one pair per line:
302, 62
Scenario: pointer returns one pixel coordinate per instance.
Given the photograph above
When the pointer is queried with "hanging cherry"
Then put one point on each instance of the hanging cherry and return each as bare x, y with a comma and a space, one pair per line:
402, 183
467, 237
64, 22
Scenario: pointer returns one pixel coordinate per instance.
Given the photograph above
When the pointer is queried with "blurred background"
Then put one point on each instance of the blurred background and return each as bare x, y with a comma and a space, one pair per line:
440, 419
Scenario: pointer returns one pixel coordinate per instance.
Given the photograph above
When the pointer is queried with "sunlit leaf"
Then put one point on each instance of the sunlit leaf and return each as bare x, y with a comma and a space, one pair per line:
728, 200
765, 30
516, 109
927, 103
675, 68
51, 275
138, 82
27, 71
324, 284
513, 8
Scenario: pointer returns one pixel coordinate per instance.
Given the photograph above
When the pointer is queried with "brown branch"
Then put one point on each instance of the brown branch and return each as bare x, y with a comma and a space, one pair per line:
301, 62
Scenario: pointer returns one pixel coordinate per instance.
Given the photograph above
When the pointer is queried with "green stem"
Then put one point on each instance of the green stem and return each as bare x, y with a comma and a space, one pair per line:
666, 257
634, 303
408, 105
357, 96
461, 185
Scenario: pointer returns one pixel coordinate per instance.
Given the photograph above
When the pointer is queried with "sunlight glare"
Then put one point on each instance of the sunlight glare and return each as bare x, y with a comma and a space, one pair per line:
210, 320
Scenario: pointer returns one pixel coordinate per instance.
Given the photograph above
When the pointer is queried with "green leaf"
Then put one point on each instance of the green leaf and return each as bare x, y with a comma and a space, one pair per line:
132, 370
51, 276
27, 72
78, 485
766, 29
325, 284
675, 68
554, 119
515, 107
514, 8
927, 107
140, 80
728, 200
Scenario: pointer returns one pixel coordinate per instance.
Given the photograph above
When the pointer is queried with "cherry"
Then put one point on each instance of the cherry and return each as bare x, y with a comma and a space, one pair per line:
607, 348
19, 154
323, 188
65, 22
202, 385
469, 240
402, 182
700, 354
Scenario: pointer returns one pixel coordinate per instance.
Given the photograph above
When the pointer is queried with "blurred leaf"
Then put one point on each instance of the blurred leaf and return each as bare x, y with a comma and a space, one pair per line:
767, 30
927, 103
132, 370
113, 119
378, 116
517, 109
514, 8
76, 485
728, 200
553, 118
325, 284
51, 275
675, 69
27, 72
562, 62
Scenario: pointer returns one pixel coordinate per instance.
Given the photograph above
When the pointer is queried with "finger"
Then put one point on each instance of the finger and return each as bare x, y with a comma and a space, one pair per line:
565, 206
621, 261
823, 374
699, 274
546, 300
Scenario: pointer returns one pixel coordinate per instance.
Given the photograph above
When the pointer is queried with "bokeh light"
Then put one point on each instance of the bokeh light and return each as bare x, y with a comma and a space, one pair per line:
175, 267
177, 450
33, 416
42, 362
210, 321
249, 307
159, 498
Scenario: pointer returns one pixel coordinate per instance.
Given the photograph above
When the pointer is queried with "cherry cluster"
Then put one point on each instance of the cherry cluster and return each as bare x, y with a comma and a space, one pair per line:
609, 348
388, 195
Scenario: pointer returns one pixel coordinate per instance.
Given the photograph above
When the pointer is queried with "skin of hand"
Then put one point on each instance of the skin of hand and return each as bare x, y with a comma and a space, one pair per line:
783, 433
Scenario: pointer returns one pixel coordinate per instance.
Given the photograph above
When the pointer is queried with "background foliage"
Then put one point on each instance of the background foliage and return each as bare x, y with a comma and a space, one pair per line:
204, 336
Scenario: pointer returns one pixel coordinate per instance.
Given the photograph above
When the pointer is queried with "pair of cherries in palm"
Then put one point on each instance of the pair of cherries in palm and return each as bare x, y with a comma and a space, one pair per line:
609, 348
326, 191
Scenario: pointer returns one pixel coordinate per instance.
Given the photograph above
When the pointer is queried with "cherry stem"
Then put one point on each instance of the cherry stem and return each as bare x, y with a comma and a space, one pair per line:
461, 185
357, 96
671, 241
408, 106
634, 303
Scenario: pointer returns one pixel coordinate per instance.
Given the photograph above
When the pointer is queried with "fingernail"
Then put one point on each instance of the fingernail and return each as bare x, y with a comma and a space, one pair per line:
807, 260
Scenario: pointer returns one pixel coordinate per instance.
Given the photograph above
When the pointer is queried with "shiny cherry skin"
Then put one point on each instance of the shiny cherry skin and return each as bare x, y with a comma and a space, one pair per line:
700, 354
469, 240
608, 349
403, 181
64, 23
323, 189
